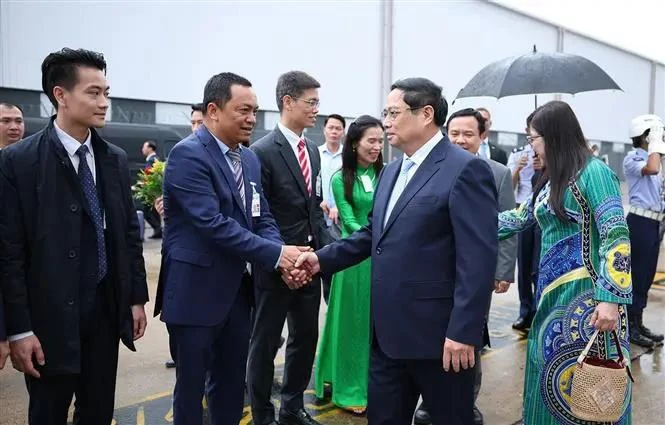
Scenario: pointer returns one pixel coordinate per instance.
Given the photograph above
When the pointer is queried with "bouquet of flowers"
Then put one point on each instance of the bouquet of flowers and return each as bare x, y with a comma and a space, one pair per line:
149, 184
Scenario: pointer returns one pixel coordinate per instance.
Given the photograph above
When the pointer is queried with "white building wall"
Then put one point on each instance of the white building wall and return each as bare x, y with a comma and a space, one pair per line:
166, 51
659, 104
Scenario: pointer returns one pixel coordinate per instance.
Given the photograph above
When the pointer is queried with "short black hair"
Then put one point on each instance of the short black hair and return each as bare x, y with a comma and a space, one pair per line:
469, 112
11, 105
218, 89
337, 117
639, 140
197, 107
60, 69
292, 84
151, 144
420, 92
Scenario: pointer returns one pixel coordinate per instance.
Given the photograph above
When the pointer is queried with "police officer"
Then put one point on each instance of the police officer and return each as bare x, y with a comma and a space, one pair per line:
521, 166
642, 168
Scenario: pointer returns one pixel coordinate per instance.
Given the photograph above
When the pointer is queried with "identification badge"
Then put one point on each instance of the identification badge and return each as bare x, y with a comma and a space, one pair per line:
318, 185
256, 201
367, 183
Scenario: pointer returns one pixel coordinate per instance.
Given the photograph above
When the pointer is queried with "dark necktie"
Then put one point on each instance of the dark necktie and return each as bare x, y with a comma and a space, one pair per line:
90, 193
237, 173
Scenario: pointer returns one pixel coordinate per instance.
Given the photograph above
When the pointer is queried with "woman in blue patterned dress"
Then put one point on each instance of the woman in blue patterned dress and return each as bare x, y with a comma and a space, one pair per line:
584, 282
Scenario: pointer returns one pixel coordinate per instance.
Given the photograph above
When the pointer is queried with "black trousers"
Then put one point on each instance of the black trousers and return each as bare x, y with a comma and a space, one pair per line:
395, 385
151, 216
274, 306
528, 257
94, 387
644, 247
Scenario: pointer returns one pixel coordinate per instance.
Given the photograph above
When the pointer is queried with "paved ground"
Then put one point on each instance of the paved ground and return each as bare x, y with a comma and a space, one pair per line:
144, 385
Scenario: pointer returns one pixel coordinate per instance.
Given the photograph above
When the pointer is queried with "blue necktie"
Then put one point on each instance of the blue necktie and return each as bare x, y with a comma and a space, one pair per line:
237, 173
400, 184
90, 193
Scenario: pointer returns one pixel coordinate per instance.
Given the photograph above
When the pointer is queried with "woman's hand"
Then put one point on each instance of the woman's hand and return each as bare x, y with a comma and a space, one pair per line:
605, 317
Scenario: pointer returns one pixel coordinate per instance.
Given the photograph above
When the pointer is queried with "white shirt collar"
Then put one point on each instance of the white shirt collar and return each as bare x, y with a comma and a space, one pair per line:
71, 144
486, 141
324, 148
223, 145
291, 137
419, 156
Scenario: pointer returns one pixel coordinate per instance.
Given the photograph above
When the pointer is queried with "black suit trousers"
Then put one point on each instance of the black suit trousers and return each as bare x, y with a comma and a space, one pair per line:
274, 306
94, 387
395, 385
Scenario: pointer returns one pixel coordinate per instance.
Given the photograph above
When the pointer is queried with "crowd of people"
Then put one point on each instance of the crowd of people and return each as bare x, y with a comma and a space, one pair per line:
406, 254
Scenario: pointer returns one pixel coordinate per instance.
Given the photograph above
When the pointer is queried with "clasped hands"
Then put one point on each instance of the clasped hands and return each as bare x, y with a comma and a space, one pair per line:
297, 265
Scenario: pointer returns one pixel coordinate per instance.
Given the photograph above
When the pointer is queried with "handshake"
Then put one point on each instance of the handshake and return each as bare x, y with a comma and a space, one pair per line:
298, 264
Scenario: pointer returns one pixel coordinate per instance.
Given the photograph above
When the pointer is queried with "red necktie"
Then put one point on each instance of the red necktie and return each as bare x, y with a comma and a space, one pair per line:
304, 166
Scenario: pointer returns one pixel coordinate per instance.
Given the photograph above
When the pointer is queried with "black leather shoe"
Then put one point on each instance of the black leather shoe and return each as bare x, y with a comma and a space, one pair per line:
477, 416
637, 338
422, 416
649, 334
170, 364
299, 417
522, 324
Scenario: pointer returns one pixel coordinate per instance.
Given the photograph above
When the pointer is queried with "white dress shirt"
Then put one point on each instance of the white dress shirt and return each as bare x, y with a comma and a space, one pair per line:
293, 140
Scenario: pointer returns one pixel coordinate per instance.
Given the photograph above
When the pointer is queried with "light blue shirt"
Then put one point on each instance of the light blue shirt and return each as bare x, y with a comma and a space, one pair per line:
225, 149
644, 191
402, 181
523, 191
330, 163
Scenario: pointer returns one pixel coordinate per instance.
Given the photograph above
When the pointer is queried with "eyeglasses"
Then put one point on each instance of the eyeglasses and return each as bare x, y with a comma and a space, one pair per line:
392, 114
530, 139
313, 103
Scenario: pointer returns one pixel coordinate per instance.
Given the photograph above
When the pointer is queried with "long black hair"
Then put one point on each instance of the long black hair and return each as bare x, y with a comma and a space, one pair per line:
566, 150
355, 133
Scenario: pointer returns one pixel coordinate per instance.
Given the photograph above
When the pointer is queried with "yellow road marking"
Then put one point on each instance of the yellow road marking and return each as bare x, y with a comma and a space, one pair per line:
140, 416
169, 415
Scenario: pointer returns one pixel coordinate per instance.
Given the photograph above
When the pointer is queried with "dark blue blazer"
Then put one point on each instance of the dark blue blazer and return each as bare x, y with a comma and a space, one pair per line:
433, 264
209, 234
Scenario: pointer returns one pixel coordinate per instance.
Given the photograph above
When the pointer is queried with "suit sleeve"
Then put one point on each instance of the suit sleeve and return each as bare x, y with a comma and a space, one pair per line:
475, 250
505, 268
3, 333
139, 291
12, 253
188, 183
346, 214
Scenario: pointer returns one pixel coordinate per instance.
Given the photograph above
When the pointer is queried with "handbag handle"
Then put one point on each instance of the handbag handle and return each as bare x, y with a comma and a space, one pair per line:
615, 338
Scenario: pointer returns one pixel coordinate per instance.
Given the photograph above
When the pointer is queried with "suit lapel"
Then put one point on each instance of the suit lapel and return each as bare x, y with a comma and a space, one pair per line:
383, 191
106, 165
423, 174
248, 190
213, 149
68, 169
291, 161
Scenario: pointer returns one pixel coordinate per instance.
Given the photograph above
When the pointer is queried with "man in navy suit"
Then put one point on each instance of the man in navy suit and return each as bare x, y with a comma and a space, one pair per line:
433, 264
217, 222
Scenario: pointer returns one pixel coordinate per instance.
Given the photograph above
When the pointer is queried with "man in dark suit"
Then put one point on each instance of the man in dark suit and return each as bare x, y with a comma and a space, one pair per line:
433, 264
74, 279
290, 176
217, 220
489, 150
150, 214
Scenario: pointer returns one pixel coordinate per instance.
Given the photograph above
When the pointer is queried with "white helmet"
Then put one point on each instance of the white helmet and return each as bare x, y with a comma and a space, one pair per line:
642, 123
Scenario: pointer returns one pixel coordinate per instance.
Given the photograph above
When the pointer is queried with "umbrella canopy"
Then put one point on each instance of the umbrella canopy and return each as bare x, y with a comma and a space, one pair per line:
537, 73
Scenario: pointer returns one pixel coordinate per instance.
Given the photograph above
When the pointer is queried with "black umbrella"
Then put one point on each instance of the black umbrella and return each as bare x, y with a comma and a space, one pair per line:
536, 73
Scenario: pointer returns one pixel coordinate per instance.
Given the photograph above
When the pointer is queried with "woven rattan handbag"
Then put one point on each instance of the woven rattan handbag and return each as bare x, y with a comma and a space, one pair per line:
599, 385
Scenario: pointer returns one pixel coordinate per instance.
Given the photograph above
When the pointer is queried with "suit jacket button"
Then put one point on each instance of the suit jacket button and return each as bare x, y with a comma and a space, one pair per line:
70, 302
71, 253
379, 251
73, 208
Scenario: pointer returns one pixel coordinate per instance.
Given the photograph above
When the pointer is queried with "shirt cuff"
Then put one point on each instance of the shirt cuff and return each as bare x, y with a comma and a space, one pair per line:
16, 337
279, 259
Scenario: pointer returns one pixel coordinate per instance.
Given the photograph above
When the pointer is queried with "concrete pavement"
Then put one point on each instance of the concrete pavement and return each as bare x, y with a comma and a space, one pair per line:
144, 386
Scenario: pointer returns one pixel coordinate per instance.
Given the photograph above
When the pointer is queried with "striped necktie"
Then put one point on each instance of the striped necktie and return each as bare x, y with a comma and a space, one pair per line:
304, 166
237, 173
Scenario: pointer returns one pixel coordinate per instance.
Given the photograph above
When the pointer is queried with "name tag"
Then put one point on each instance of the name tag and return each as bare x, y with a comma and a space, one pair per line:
319, 184
256, 201
367, 183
